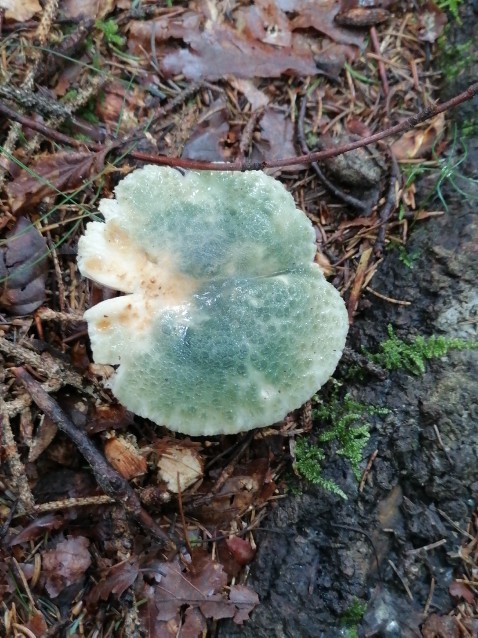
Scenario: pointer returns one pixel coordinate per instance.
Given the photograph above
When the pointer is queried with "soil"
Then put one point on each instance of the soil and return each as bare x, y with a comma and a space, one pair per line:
318, 554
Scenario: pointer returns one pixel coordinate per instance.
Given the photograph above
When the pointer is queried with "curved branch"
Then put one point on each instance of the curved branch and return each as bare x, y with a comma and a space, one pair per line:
245, 164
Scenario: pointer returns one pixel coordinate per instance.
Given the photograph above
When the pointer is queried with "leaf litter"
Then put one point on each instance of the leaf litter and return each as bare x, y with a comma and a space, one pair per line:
208, 81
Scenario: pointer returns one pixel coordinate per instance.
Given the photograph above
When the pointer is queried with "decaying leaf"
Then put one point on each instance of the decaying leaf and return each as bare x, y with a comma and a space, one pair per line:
95, 9
20, 10
50, 174
277, 137
199, 584
206, 141
432, 21
259, 40
419, 142
248, 485
437, 626
65, 564
23, 268
179, 464
125, 457
116, 581
45, 434
38, 527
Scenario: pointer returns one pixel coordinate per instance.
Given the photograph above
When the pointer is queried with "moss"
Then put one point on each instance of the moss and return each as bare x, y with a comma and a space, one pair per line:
345, 425
110, 30
352, 616
395, 354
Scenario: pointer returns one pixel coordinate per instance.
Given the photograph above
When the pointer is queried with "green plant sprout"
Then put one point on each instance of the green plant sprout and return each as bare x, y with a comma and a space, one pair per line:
352, 617
452, 6
446, 170
110, 30
344, 420
308, 463
395, 354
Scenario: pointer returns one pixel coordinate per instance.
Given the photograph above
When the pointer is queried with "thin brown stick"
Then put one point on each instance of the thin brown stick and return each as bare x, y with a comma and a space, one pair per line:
334, 190
381, 66
107, 478
47, 131
248, 165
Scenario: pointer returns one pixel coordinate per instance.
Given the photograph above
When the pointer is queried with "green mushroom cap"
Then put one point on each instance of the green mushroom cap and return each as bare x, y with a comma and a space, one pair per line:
226, 324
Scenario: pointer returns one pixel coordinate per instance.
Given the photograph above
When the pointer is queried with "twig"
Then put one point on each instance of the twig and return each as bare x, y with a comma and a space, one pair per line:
229, 469
107, 478
363, 207
359, 530
402, 579
16, 466
388, 207
248, 165
47, 131
381, 65
248, 132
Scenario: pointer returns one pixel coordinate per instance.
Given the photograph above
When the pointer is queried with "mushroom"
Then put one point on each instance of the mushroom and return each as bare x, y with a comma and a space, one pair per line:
227, 323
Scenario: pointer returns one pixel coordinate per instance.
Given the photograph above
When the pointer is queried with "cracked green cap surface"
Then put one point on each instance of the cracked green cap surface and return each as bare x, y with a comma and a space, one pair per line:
226, 324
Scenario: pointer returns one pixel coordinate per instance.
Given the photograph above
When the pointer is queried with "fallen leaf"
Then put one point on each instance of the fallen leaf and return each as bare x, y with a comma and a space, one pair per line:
23, 268
38, 527
277, 138
37, 623
247, 485
116, 581
460, 590
419, 142
206, 141
431, 22
50, 175
45, 434
256, 98
244, 599
258, 40
65, 564
436, 626
199, 584
179, 464
20, 10
95, 9
320, 15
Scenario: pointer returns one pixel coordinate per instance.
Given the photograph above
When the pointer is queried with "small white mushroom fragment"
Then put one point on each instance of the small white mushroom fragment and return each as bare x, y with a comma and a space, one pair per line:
226, 324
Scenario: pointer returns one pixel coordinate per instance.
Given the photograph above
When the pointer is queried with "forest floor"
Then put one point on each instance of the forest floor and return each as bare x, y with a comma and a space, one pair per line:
356, 516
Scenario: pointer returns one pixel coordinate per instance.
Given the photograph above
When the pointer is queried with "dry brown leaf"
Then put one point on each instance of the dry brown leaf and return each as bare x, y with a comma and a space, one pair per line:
256, 98
436, 626
255, 41
23, 268
45, 434
20, 10
179, 465
38, 527
65, 564
200, 585
277, 138
50, 174
116, 581
206, 141
431, 21
95, 9
320, 15
419, 142
460, 590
